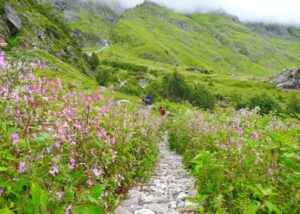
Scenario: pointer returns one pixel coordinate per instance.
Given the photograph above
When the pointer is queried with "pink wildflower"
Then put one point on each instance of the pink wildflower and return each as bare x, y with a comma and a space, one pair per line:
1, 192
68, 210
112, 140
59, 195
92, 151
3, 44
21, 167
15, 138
97, 97
57, 144
2, 60
255, 136
48, 150
97, 172
89, 183
58, 84
54, 172
72, 164
15, 96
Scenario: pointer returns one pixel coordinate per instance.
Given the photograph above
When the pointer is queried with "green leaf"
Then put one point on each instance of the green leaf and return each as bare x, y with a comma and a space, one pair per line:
36, 196
91, 209
3, 169
252, 209
6, 211
97, 191
44, 201
272, 207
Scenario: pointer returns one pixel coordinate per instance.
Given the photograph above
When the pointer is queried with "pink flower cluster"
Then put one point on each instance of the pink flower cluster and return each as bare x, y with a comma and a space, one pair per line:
39, 64
71, 132
3, 64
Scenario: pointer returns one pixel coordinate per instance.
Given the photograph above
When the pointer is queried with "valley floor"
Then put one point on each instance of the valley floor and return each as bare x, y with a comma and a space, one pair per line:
166, 191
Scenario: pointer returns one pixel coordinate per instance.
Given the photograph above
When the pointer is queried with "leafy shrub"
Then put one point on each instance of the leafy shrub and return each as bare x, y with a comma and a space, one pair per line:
175, 88
202, 97
265, 103
243, 162
103, 76
133, 88
293, 106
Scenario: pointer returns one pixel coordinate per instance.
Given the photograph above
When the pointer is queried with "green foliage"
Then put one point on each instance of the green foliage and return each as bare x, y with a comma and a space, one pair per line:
103, 76
133, 88
126, 66
94, 61
66, 149
176, 89
237, 159
265, 103
202, 97
205, 41
293, 106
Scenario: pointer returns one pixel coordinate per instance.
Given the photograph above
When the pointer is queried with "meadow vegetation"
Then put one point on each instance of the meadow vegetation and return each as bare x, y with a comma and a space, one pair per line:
243, 162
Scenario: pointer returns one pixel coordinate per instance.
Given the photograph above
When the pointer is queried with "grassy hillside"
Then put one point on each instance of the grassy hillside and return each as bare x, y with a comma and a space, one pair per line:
43, 35
211, 42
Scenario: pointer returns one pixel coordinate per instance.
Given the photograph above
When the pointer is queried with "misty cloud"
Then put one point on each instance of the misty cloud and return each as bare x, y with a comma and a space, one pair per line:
268, 11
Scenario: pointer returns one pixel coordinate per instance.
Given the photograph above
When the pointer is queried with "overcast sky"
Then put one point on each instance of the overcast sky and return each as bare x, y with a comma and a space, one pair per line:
269, 11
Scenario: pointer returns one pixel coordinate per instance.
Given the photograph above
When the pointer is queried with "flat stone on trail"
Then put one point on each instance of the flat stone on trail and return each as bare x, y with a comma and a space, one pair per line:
165, 192
144, 211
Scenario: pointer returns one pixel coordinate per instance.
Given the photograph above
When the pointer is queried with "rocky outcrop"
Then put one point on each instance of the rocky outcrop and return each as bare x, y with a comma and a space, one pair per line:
289, 78
12, 17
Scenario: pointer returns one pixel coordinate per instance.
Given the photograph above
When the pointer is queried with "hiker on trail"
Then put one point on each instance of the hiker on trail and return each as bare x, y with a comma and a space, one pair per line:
162, 112
147, 100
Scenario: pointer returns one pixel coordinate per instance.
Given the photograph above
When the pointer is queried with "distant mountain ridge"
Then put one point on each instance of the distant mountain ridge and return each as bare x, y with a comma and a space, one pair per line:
215, 41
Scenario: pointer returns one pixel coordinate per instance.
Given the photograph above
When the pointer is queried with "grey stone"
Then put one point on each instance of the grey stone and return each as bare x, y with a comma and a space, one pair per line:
122, 210
144, 211
158, 208
12, 16
288, 78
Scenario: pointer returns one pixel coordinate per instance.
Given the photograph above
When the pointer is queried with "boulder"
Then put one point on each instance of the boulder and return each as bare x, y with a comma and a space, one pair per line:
288, 78
12, 17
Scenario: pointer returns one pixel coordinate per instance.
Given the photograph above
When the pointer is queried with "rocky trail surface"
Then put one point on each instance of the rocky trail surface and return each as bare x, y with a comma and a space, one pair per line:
166, 191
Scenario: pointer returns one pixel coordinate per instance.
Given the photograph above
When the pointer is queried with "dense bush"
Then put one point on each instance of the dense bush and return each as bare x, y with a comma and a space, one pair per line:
293, 106
176, 89
242, 162
133, 88
126, 66
104, 76
202, 97
265, 103
64, 151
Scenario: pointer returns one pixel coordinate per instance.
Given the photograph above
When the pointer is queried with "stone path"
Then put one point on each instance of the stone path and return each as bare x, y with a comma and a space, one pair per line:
166, 190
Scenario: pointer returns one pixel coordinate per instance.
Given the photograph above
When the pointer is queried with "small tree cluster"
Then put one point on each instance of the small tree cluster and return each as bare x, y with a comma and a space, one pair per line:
176, 88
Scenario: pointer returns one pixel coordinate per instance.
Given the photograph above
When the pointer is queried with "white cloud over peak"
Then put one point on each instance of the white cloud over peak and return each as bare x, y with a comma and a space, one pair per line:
268, 11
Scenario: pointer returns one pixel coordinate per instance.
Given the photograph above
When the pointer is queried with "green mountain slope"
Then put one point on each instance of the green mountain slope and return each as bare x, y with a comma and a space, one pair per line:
212, 42
43, 35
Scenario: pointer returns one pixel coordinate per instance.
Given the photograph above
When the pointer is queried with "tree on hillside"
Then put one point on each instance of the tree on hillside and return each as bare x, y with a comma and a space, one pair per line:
175, 87
94, 61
